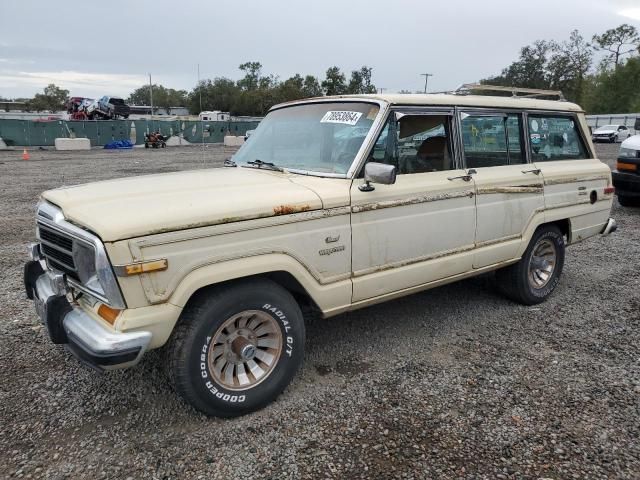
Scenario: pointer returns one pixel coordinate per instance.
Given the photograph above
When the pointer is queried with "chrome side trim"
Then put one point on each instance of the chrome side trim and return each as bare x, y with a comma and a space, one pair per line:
410, 201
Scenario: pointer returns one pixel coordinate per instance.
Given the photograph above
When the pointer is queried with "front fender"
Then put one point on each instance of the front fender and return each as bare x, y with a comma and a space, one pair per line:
330, 298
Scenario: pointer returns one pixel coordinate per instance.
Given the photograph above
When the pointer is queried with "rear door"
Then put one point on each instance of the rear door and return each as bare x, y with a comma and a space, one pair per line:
509, 191
573, 177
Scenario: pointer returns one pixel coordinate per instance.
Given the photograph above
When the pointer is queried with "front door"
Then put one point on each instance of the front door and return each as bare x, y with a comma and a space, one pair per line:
420, 229
508, 190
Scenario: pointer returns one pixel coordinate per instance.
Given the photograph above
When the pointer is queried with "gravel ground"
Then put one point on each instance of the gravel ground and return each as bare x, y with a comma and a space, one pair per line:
456, 382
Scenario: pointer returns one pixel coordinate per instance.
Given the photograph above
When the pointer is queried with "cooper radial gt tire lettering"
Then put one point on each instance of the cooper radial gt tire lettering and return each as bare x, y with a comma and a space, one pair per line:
536, 275
236, 347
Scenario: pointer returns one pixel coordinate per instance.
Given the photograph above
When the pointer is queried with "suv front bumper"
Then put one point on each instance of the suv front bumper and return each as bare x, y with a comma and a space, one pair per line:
626, 184
87, 338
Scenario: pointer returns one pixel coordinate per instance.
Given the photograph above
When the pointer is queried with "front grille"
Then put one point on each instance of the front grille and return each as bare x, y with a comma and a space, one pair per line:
57, 249
56, 239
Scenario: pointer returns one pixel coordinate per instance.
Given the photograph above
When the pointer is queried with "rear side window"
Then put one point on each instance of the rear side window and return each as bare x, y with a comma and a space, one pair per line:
492, 140
555, 138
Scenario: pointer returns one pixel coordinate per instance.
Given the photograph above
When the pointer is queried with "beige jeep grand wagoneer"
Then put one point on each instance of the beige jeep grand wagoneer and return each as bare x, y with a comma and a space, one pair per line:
335, 204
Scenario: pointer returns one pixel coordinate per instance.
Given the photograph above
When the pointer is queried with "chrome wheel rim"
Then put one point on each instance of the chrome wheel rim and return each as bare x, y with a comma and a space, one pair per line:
245, 350
542, 263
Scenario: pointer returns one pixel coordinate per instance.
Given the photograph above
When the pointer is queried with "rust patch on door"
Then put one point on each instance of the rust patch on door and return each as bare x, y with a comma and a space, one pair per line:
289, 209
366, 207
561, 181
537, 188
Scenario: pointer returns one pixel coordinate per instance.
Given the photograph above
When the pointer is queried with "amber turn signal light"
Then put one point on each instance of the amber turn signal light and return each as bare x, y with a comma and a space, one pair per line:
108, 313
141, 267
626, 166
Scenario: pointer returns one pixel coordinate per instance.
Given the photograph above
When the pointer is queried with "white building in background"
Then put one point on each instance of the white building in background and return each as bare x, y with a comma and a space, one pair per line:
214, 116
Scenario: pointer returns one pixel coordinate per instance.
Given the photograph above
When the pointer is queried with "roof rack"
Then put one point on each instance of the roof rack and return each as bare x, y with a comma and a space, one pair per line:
467, 88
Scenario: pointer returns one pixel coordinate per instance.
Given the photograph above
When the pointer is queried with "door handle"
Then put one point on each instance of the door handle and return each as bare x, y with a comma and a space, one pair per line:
535, 171
467, 177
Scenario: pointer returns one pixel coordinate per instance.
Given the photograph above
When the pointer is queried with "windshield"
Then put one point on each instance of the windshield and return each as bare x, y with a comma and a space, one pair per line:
608, 127
318, 137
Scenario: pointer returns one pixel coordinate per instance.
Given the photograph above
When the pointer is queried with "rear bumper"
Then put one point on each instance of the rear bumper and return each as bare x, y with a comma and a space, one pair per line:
627, 184
87, 338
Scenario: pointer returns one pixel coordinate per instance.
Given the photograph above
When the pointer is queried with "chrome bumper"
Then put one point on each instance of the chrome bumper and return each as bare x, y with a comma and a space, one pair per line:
610, 227
91, 342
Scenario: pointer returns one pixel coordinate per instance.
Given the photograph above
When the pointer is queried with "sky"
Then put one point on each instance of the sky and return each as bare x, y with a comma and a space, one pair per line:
95, 48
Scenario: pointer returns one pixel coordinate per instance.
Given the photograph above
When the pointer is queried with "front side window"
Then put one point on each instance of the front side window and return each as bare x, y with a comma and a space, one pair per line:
415, 144
492, 140
555, 138
315, 137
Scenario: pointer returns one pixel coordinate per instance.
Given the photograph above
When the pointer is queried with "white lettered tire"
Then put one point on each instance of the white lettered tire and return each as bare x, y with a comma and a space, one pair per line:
236, 347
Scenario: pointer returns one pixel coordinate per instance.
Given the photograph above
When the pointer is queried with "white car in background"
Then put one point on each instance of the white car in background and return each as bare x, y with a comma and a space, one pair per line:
611, 133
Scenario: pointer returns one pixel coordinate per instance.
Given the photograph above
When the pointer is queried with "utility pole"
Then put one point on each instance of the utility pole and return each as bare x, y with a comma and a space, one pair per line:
199, 88
426, 80
382, 90
151, 95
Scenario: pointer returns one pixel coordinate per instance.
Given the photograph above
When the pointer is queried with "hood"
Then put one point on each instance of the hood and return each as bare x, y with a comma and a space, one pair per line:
605, 130
632, 143
145, 205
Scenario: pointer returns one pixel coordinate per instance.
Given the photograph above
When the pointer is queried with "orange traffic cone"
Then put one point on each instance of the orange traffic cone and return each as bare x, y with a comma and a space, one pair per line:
25, 154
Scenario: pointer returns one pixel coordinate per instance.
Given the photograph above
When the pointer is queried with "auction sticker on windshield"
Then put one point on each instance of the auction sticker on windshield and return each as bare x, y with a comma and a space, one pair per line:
347, 118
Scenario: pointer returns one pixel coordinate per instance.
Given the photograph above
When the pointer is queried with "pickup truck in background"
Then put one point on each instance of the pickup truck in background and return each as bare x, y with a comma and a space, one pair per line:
108, 108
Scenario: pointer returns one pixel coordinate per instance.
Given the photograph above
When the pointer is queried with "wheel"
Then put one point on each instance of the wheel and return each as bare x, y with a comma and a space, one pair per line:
614, 139
236, 347
536, 275
146, 144
628, 201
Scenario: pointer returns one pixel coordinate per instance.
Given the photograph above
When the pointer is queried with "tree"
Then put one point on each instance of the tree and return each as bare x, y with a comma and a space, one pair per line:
311, 87
291, 89
162, 97
552, 66
615, 91
569, 66
619, 42
335, 82
219, 94
251, 79
360, 81
530, 70
53, 99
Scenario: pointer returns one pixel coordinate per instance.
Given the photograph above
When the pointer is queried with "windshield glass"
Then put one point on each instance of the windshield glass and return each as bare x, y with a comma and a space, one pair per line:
608, 127
319, 137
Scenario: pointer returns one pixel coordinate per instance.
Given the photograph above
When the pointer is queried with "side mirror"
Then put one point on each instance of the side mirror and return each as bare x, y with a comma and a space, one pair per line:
377, 173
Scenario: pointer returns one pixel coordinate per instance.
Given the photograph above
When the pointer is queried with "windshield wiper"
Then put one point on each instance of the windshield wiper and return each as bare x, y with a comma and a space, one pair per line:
259, 163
